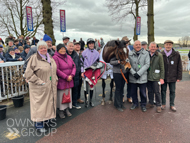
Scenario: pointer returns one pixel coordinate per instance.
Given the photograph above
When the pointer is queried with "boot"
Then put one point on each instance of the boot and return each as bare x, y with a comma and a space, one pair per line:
61, 114
67, 112
86, 99
91, 95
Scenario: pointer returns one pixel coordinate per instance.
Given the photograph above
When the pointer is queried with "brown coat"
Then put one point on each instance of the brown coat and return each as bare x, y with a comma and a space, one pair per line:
173, 66
43, 98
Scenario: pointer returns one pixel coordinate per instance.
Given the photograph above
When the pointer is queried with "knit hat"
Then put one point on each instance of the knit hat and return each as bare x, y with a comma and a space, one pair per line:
47, 38
59, 46
1, 46
26, 47
10, 49
144, 43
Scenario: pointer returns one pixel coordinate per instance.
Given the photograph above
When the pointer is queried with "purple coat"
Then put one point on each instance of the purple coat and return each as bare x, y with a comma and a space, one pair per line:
65, 67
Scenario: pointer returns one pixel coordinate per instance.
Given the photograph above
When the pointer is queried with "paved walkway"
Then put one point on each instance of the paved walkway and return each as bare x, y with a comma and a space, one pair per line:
104, 124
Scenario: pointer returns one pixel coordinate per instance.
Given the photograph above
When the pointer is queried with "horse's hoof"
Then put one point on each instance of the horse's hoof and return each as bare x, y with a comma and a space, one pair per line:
110, 102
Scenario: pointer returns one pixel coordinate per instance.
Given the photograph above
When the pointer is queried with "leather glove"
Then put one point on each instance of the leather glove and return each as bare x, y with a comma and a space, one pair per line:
136, 76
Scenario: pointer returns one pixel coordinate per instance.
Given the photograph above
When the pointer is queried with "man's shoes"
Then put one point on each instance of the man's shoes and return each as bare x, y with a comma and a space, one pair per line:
143, 108
173, 108
149, 106
133, 107
158, 109
80, 101
76, 106
129, 100
163, 107
120, 109
123, 107
91, 104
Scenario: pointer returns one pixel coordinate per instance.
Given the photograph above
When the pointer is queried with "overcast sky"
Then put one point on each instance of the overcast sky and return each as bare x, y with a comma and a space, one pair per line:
86, 18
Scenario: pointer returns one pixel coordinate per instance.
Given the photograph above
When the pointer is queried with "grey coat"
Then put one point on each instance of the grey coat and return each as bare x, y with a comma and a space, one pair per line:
117, 66
139, 65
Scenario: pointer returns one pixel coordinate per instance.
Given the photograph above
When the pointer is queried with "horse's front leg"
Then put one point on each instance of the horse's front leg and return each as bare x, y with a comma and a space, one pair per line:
111, 91
103, 91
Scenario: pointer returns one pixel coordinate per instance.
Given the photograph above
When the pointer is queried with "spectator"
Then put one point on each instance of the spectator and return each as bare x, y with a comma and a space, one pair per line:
11, 56
10, 45
96, 44
16, 43
54, 48
17, 51
78, 51
155, 75
144, 45
25, 52
82, 44
21, 48
173, 73
140, 62
99, 50
2, 59
76, 60
21, 40
10, 38
125, 38
26, 39
65, 40
42, 78
1, 51
35, 41
65, 71
74, 40
33, 50
28, 42
101, 42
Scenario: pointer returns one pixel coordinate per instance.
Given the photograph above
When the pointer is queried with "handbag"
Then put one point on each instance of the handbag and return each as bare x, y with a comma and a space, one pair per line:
66, 98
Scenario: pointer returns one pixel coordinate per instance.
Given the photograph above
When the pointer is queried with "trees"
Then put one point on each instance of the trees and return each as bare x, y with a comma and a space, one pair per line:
150, 22
47, 18
120, 9
13, 17
184, 41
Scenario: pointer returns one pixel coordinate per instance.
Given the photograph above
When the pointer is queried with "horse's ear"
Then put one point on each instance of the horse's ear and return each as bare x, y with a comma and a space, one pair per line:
117, 43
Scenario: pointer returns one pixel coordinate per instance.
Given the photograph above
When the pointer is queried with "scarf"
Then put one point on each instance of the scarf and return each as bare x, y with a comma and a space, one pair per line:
43, 56
168, 53
13, 56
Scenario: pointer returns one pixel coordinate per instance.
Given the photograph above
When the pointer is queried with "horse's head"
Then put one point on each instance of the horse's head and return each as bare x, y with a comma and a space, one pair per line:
122, 52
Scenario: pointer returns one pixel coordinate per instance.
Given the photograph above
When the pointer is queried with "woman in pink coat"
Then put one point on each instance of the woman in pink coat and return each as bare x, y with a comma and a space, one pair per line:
66, 70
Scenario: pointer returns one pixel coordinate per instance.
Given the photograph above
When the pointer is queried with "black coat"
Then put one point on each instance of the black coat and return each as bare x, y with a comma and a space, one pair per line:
2, 58
23, 55
172, 66
10, 59
77, 62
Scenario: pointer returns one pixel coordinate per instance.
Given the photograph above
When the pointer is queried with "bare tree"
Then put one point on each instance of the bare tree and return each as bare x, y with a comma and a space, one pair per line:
120, 9
13, 17
184, 41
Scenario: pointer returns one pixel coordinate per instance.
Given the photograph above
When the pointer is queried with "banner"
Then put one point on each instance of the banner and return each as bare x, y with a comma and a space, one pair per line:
62, 21
138, 25
29, 18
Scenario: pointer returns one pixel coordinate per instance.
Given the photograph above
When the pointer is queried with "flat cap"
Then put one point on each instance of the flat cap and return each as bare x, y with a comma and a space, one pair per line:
169, 41
65, 38
76, 43
144, 43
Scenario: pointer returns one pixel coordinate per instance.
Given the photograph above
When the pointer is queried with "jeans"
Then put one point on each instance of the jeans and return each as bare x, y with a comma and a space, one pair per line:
119, 83
142, 88
79, 88
153, 88
39, 125
172, 87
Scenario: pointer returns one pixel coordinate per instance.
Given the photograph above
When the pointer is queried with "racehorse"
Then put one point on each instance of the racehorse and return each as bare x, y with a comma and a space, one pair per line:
113, 48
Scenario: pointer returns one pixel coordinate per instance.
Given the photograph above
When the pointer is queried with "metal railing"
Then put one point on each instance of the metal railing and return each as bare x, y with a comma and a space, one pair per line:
8, 72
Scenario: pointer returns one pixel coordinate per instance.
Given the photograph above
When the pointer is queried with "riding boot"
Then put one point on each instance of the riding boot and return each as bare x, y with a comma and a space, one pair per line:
91, 95
86, 99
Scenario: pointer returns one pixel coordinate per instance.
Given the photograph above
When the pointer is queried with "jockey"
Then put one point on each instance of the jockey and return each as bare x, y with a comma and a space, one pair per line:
89, 57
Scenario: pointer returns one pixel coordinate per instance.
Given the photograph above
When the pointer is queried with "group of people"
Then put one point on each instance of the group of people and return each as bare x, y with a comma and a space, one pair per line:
55, 77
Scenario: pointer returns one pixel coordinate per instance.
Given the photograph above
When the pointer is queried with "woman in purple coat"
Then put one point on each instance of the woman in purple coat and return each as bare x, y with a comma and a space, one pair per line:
66, 70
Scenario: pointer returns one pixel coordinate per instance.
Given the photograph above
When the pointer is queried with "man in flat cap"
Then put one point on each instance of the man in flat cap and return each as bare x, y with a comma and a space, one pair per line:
144, 45
65, 40
173, 73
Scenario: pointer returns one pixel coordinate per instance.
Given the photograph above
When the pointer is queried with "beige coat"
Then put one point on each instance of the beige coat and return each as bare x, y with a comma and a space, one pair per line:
43, 98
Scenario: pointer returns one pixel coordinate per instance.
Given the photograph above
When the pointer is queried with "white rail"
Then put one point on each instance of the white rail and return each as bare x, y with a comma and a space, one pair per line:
8, 89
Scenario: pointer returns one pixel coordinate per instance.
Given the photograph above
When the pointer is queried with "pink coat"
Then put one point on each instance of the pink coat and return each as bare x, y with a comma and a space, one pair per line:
65, 67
